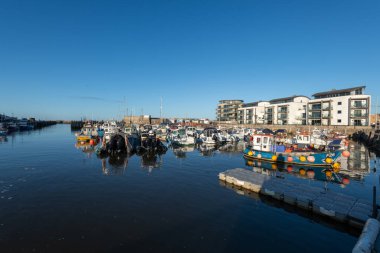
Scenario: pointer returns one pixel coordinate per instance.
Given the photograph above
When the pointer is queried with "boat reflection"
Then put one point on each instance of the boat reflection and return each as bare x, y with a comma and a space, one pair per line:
207, 149
85, 148
151, 161
233, 147
3, 139
180, 152
118, 164
358, 164
305, 172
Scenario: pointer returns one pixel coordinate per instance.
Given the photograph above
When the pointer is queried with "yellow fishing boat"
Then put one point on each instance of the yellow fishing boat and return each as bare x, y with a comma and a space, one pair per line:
83, 138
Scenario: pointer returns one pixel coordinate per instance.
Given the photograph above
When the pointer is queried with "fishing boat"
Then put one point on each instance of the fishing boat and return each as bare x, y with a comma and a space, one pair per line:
265, 148
110, 127
88, 133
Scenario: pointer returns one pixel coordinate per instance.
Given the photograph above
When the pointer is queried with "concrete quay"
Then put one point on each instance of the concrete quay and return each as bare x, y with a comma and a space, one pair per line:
339, 207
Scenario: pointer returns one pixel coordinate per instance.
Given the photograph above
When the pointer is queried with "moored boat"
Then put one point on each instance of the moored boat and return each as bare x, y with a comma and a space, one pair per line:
264, 148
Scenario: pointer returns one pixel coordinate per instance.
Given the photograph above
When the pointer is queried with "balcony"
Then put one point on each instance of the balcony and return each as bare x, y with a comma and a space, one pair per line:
326, 116
359, 115
314, 116
359, 105
267, 117
315, 107
327, 108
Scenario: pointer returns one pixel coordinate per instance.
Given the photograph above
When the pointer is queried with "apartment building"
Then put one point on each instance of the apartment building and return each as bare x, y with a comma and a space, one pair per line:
280, 111
345, 107
252, 113
227, 110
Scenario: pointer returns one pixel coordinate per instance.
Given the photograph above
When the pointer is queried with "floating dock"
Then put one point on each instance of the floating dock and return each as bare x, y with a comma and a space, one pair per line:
340, 207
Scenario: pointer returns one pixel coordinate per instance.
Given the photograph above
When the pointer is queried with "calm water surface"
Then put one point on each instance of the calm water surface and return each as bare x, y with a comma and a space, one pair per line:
56, 197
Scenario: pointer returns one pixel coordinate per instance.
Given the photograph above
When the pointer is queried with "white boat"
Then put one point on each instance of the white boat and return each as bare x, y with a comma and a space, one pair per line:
211, 135
180, 138
110, 127
307, 139
191, 131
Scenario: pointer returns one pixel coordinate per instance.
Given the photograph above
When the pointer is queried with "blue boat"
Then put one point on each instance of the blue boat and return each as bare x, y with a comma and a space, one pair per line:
264, 148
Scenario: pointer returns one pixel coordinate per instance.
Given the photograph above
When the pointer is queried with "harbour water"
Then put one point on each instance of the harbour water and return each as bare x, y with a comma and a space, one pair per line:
58, 197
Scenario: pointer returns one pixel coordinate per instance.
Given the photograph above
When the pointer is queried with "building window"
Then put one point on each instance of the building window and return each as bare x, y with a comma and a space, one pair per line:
339, 112
339, 103
339, 121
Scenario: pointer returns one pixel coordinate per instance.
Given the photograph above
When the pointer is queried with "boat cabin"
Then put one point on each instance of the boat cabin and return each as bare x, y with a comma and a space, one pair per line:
262, 142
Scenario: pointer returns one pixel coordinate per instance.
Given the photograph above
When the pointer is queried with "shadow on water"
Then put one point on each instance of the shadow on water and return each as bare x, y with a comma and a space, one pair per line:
345, 228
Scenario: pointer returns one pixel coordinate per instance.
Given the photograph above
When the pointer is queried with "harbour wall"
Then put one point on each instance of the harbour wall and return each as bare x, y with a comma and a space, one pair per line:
348, 130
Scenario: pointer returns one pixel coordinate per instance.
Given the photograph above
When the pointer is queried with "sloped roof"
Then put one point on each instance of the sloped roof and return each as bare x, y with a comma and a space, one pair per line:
337, 91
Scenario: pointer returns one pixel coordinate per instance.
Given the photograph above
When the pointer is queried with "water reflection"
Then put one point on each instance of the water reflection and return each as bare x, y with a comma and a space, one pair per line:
150, 161
356, 167
180, 152
118, 165
298, 171
85, 148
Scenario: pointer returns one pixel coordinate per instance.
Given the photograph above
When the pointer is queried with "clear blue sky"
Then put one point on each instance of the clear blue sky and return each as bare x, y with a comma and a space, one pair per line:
68, 59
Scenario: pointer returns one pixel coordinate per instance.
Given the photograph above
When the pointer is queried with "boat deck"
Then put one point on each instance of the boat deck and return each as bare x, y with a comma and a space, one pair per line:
339, 207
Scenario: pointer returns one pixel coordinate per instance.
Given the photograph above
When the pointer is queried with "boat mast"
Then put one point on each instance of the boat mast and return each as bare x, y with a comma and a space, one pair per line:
161, 109
377, 105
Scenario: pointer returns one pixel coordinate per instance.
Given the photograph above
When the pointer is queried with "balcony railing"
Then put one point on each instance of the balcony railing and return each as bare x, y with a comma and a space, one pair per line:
359, 105
314, 116
327, 108
359, 115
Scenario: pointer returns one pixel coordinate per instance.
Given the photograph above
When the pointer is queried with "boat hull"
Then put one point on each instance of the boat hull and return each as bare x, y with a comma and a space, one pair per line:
311, 159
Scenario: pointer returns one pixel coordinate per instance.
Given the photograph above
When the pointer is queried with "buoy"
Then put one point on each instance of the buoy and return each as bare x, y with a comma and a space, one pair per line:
336, 168
346, 153
250, 153
310, 173
336, 165
274, 158
311, 159
302, 172
290, 159
289, 168
250, 163
274, 166
328, 173
345, 180
329, 160
92, 142
259, 156
302, 158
